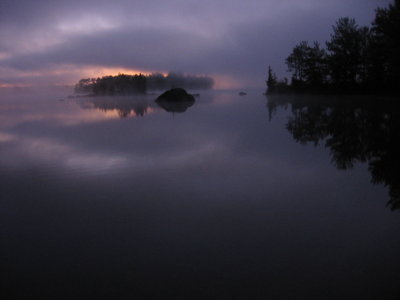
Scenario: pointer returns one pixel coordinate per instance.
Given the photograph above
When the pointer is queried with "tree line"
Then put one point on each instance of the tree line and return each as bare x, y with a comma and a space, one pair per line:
358, 59
124, 84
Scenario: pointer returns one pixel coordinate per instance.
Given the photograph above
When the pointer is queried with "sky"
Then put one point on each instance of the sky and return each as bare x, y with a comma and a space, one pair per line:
50, 42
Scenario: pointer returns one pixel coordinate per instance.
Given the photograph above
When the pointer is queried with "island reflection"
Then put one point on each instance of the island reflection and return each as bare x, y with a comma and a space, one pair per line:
355, 129
125, 106
132, 106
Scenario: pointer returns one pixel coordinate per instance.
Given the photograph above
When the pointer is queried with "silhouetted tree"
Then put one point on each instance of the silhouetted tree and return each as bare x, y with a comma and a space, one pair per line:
296, 61
271, 80
157, 81
274, 85
386, 46
308, 65
123, 84
316, 65
85, 85
120, 85
347, 53
358, 59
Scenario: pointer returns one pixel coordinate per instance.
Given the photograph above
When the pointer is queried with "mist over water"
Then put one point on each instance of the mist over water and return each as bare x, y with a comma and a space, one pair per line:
118, 197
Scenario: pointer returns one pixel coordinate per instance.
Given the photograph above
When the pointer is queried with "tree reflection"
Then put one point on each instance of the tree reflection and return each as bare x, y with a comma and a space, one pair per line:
125, 106
354, 129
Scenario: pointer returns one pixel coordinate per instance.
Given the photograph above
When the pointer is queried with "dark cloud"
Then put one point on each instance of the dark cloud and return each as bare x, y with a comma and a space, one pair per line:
229, 38
143, 48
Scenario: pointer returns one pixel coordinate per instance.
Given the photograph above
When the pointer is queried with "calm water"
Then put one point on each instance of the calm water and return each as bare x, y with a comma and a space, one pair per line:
231, 198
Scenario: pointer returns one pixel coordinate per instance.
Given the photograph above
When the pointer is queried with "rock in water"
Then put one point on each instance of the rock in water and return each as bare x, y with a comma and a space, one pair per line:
175, 100
176, 95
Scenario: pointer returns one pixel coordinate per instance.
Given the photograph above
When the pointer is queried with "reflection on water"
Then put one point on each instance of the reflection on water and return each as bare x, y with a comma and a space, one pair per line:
353, 129
133, 106
213, 203
175, 106
124, 105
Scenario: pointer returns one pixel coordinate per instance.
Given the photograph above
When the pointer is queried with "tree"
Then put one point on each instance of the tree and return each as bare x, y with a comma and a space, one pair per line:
357, 59
271, 81
85, 85
386, 42
296, 61
308, 64
315, 70
347, 53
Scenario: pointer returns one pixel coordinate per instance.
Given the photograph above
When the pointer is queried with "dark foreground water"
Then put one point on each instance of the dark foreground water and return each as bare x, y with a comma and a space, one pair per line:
119, 198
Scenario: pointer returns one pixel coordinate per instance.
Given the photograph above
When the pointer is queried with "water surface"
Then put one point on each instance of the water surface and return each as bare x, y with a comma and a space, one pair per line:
226, 199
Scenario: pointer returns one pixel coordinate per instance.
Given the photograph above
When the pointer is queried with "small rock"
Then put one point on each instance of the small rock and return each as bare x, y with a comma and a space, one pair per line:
176, 94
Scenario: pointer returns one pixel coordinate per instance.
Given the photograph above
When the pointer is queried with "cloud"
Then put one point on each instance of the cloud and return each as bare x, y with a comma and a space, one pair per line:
225, 38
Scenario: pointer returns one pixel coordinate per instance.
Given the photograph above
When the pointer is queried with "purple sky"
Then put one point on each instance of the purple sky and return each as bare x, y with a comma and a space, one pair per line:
59, 42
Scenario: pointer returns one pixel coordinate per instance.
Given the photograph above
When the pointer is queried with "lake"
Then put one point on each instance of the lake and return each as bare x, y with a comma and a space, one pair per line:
234, 197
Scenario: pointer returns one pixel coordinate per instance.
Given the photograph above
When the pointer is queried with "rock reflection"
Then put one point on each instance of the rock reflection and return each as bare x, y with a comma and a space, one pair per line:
125, 106
174, 106
355, 129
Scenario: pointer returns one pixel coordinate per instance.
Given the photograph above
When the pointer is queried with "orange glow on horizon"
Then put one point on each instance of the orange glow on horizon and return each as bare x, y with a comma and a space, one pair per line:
94, 72
71, 74
7, 85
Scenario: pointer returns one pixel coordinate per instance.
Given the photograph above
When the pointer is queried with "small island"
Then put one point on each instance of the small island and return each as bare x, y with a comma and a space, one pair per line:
124, 84
357, 59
